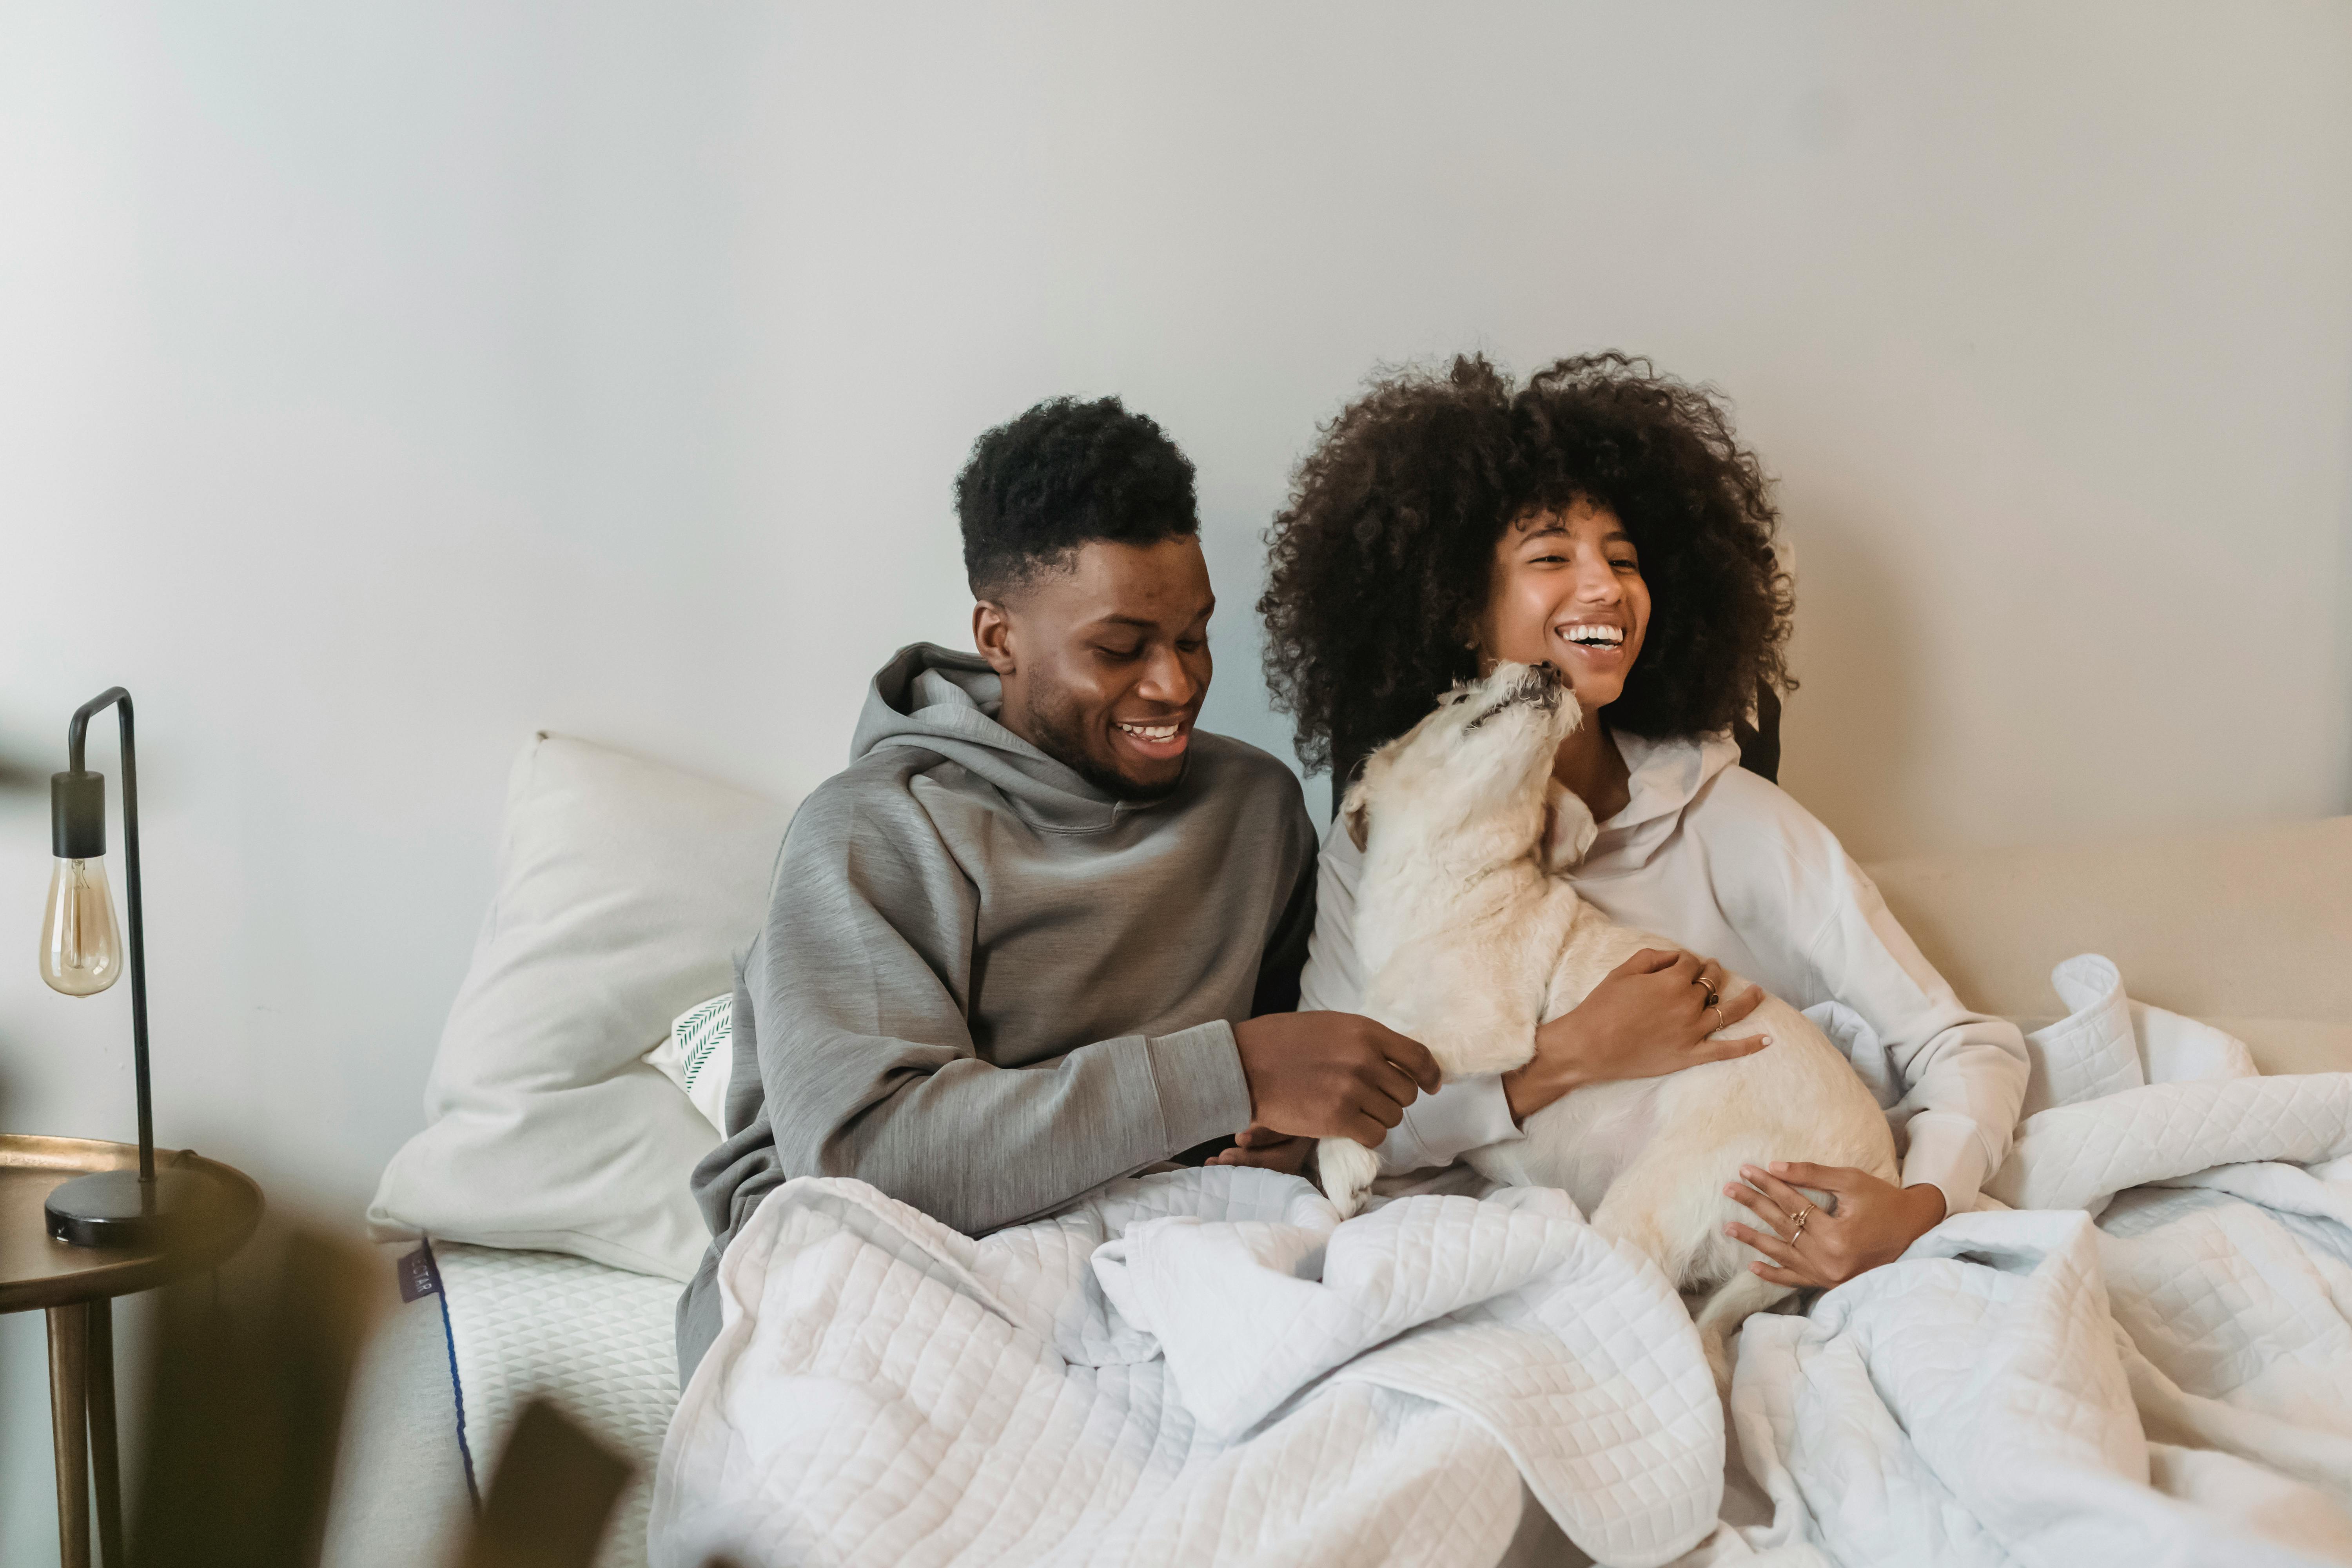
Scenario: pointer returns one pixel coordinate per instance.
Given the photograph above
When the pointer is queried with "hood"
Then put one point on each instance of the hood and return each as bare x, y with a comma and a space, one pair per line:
1667, 776
946, 703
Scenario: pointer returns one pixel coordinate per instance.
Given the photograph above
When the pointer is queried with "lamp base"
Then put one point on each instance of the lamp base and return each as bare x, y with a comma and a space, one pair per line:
114, 1208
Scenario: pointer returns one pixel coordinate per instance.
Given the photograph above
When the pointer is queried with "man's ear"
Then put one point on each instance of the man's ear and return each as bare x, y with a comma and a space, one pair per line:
1356, 811
991, 634
1572, 829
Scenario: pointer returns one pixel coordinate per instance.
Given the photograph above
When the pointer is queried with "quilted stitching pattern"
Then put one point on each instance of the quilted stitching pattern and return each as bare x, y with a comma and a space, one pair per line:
1070, 1392
2073, 1155
595, 1341
1991, 1398
887, 1391
2091, 1053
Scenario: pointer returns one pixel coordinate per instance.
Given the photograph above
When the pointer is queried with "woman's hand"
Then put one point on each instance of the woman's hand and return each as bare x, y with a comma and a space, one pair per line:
1811, 1248
1268, 1150
1651, 1015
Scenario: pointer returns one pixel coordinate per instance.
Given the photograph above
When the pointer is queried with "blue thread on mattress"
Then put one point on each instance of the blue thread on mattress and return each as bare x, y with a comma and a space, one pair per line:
456, 1389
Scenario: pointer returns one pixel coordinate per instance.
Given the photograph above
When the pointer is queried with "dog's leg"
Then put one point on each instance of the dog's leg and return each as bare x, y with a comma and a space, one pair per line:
1624, 1216
1652, 1205
1726, 1306
1347, 1169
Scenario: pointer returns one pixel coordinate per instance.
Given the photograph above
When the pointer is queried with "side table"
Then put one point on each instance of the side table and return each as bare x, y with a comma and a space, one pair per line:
77, 1286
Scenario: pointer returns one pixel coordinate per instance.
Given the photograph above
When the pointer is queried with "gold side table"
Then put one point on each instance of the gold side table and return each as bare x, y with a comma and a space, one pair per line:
77, 1286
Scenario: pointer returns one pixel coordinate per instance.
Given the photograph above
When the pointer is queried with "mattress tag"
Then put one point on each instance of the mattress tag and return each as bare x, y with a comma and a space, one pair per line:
418, 1278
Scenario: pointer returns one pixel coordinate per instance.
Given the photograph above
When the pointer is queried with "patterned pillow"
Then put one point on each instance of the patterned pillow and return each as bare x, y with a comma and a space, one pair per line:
699, 1055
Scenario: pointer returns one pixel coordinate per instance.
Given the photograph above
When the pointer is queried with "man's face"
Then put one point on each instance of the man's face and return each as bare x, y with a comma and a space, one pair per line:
1106, 662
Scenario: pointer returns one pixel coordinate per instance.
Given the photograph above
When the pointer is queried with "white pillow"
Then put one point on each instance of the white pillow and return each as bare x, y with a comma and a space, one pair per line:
2091, 1053
698, 1056
625, 889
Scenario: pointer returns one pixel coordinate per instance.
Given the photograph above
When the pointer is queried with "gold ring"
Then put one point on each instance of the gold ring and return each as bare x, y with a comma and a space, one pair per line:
1699, 980
1721, 1022
1797, 1227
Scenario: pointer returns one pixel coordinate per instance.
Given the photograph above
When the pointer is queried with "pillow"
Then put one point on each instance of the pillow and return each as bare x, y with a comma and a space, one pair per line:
698, 1056
2091, 1053
623, 890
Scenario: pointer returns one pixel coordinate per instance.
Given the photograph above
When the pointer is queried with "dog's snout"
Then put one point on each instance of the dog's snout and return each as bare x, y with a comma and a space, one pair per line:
1542, 682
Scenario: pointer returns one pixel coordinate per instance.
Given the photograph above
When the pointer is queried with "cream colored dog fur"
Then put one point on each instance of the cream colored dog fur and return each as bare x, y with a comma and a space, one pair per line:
1469, 940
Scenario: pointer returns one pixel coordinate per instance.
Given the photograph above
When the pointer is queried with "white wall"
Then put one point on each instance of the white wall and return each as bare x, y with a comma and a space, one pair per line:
377, 384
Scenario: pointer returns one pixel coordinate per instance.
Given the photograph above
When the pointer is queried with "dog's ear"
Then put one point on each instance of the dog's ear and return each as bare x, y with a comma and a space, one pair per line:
1356, 811
1572, 831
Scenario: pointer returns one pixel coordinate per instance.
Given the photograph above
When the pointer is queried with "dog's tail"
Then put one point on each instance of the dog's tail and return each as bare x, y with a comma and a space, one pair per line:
1347, 1168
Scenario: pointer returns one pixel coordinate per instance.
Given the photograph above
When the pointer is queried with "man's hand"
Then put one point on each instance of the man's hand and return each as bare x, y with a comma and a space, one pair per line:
1268, 1150
1650, 1016
1331, 1075
1811, 1248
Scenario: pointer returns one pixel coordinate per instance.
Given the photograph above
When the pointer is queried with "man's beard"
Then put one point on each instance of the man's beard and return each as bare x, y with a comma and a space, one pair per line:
1061, 733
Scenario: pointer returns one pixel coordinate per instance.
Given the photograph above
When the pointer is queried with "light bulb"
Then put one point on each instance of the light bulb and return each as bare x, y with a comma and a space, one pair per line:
81, 947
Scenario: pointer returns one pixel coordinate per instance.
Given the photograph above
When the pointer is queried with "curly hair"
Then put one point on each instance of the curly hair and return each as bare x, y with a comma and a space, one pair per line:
1062, 475
1380, 567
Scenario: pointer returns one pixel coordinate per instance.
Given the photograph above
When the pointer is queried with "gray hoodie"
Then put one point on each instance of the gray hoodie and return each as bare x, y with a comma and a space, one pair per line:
985, 985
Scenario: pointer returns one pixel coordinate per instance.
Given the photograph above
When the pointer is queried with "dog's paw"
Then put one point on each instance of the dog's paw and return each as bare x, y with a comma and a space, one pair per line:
1347, 1168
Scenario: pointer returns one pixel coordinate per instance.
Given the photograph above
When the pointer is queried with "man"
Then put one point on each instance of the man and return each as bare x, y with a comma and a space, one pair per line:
1042, 933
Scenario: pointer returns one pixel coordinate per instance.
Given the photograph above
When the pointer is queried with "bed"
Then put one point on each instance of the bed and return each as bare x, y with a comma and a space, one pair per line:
2251, 929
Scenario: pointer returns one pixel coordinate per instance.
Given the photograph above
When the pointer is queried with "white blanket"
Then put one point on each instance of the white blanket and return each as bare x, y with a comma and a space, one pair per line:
2172, 1385
1196, 1367
1201, 1367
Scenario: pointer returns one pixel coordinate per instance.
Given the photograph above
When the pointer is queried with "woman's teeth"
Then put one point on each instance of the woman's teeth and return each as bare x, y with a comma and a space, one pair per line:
1597, 637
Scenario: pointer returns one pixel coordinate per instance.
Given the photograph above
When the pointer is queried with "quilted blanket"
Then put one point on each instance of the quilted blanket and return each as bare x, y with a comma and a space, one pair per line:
2146, 1361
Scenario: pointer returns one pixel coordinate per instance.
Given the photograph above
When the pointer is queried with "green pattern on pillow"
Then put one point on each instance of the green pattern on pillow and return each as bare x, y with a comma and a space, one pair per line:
701, 1055
705, 1033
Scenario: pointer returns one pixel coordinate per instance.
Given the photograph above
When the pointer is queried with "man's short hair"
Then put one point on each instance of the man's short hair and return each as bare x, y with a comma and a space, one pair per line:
1063, 475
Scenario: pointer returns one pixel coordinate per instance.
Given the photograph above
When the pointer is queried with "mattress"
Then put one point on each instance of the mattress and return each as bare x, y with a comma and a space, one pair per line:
597, 1342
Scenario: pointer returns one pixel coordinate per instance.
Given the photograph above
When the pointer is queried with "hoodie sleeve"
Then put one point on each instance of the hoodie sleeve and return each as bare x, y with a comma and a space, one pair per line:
867, 1068
1963, 1072
1817, 922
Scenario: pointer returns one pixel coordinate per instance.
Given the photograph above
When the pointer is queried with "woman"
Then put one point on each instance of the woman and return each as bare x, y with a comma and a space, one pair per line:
1603, 518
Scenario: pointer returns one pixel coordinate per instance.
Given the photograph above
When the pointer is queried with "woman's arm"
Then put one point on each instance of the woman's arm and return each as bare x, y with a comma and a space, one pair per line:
1820, 931
1963, 1072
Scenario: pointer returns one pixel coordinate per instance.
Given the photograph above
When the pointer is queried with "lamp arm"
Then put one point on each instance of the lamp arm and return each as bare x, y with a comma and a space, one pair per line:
116, 695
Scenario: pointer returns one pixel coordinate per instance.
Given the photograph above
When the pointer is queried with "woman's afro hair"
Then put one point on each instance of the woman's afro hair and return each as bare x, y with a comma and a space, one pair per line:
1380, 567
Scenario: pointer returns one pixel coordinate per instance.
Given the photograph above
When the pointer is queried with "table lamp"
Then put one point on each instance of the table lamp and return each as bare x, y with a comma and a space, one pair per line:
81, 955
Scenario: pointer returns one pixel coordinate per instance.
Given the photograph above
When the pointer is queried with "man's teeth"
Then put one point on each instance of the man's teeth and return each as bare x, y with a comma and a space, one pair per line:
1151, 732
1607, 637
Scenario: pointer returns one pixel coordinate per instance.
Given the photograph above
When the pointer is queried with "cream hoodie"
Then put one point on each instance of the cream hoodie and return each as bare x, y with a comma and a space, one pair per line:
1726, 865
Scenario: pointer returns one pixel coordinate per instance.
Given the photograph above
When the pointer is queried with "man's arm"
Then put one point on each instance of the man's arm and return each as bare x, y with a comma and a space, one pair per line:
868, 1068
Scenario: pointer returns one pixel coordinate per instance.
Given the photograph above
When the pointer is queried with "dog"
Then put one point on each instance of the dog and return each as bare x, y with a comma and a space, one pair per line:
1469, 940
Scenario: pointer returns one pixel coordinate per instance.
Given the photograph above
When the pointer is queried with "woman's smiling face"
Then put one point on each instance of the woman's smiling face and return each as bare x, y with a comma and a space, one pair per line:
1567, 589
